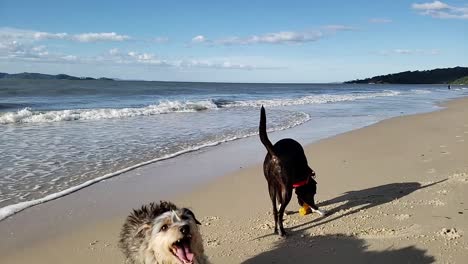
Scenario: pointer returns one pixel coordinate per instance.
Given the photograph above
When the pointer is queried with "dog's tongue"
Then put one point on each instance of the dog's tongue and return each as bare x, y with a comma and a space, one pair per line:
184, 254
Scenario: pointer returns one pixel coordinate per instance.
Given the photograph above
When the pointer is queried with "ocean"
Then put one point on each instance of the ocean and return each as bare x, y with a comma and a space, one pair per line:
57, 136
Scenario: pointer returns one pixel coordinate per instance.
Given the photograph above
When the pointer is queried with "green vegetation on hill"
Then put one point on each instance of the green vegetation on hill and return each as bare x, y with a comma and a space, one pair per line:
463, 80
436, 76
40, 76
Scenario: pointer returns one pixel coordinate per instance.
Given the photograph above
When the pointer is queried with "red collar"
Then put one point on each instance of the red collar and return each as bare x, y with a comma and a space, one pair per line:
301, 183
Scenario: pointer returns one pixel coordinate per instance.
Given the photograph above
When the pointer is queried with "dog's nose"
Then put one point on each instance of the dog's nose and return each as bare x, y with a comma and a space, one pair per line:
185, 229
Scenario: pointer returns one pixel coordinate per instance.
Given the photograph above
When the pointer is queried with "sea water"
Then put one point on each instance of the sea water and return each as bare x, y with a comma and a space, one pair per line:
57, 136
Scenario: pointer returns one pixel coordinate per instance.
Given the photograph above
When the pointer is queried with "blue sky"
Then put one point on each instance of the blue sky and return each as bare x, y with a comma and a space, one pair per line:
232, 41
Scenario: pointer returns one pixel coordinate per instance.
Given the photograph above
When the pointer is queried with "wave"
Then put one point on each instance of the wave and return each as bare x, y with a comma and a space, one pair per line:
27, 115
310, 99
10, 210
420, 91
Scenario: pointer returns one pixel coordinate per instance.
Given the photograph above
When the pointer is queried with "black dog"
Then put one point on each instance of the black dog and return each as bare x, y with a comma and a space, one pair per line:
285, 168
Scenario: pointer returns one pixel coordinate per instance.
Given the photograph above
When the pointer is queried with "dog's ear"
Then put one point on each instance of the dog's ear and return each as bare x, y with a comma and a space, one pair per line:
189, 212
142, 228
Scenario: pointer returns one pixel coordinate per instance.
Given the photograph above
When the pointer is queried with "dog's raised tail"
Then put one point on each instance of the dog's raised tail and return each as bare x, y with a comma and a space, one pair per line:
263, 133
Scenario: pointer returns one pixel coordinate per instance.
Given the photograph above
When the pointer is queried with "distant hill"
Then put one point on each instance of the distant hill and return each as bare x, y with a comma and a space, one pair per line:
463, 80
436, 76
40, 76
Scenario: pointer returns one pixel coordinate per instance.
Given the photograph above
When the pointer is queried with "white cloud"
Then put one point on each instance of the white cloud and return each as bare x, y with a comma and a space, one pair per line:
160, 40
213, 65
198, 39
46, 35
434, 52
403, 51
115, 57
94, 37
436, 5
380, 21
335, 28
14, 50
410, 52
281, 37
114, 51
19, 44
134, 57
273, 38
70, 58
142, 57
31, 36
13, 34
438, 9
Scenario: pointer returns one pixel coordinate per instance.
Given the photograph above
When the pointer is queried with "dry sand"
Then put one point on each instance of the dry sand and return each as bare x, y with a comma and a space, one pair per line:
396, 192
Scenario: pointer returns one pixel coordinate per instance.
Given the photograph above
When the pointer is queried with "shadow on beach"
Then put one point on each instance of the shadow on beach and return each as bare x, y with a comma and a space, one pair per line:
354, 201
335, 249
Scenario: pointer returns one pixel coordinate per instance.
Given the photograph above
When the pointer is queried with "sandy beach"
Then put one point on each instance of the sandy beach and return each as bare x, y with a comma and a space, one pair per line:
395, 193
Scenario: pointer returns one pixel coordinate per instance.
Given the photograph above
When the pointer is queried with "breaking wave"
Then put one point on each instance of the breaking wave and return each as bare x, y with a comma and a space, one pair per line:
28, 115
310, 99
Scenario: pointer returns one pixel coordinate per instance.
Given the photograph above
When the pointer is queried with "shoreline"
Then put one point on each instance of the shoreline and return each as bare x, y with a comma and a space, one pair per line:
12, 209
84, 205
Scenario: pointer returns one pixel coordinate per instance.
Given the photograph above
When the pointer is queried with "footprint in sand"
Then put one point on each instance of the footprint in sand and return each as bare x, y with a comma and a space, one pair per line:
402, 217
444, 192
431, 170
445, 152
385, 233
459, 177
442, 146
450, 233
212, 243
436, 202
208, 220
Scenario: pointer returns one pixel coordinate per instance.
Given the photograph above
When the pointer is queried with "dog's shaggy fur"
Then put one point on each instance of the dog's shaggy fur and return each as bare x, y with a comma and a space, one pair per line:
285, 165
162, 233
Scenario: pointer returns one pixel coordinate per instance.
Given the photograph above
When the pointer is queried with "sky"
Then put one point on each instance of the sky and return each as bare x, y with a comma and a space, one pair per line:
232, 41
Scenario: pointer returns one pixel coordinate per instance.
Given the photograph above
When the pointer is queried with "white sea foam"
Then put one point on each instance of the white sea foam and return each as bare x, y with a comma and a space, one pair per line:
420, 91
312, 99
9, 210
27, 115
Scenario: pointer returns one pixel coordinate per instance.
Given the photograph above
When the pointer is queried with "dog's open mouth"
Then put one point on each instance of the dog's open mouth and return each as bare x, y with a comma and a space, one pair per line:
181, 249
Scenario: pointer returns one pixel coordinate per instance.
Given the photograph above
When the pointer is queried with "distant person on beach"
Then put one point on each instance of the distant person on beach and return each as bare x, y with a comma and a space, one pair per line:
448, 86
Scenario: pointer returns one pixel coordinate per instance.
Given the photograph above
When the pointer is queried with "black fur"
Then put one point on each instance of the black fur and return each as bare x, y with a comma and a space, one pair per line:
284, 165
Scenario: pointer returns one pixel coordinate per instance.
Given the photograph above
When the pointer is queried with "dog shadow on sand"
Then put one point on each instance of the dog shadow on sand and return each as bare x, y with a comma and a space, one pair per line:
354, 201
302, 248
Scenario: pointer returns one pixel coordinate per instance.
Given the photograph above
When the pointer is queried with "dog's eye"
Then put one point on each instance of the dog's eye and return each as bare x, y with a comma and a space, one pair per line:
163, 228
